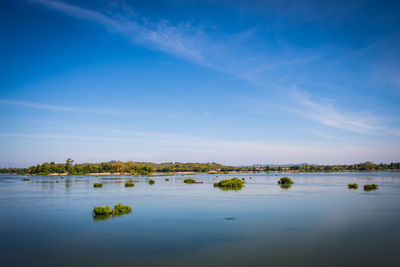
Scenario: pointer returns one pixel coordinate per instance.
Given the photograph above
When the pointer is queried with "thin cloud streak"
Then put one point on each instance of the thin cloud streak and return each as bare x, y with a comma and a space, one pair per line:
328, 115
197, 48
60, 108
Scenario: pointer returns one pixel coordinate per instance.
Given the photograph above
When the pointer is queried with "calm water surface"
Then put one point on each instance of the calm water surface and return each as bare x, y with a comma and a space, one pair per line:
316, 222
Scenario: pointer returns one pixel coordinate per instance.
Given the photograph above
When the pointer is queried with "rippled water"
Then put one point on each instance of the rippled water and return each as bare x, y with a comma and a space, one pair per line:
316, 222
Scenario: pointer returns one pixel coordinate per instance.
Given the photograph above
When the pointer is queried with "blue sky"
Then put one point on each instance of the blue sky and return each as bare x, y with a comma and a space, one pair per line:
235, 82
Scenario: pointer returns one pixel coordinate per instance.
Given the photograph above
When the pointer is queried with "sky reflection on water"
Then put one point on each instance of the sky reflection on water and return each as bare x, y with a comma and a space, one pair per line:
318, 221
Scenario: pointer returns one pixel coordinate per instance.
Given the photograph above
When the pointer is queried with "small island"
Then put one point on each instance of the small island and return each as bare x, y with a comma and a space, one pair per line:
189, 181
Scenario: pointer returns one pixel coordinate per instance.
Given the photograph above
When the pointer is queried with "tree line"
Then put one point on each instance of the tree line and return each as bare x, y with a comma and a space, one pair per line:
145, 168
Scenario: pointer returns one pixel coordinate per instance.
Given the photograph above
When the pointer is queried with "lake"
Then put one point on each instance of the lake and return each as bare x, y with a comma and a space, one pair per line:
315, 222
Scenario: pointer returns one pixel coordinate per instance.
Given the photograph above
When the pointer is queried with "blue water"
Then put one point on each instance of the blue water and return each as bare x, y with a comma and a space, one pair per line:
316, 222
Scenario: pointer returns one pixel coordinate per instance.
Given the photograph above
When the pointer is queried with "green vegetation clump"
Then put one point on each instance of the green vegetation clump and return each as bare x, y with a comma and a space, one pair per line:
26, 179
102, 210
243, 179
369, 187
129, 183
189, 181
230, 183
352, 186
167, 179
118, 209
121, 209
285, 180
97, 185
152, 182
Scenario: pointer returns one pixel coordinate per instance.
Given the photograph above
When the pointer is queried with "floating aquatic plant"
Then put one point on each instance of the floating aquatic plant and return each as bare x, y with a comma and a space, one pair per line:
152, 182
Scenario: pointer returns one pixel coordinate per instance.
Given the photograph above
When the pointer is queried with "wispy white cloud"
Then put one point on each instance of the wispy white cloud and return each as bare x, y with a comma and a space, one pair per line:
192, 43
60, 108
326, 113
159, 36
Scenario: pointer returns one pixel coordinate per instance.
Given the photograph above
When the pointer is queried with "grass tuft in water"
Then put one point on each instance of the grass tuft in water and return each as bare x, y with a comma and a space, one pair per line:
26, 179
121, 209
189, 181
230, 183
129, 183
152, 182
369, 187
102, 210
285, 180
97, 185
118, 210
167, 179
352, 186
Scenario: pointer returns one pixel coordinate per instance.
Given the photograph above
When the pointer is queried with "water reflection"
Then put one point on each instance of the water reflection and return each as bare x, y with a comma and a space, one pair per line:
98, 218
285, 186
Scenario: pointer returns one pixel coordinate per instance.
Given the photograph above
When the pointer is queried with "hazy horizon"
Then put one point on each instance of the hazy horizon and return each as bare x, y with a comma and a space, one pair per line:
233, 82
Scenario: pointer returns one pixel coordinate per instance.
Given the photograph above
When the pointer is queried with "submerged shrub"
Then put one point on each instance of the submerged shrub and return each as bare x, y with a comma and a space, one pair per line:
97, 185
352, 186
26, 179
102, 213
243, 179
152, 182
129, 184
121, 209
230, 183
102, 210
189, 181
285, 180
369, 187
167, 179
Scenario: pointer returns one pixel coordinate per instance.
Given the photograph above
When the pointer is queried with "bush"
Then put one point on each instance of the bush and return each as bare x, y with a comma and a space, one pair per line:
152, 182
167, 179
285, 180
118, 209
97, 185
129, 184
230, 183
102, 210
243, 179
189, 181
26, 179
352, 186
121, 209
369, 187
